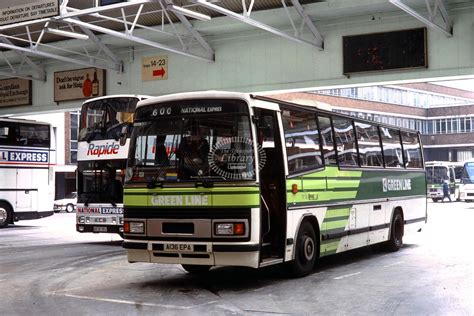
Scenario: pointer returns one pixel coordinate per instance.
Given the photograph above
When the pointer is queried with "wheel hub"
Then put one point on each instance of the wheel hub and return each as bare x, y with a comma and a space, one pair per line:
308, 247
3, 215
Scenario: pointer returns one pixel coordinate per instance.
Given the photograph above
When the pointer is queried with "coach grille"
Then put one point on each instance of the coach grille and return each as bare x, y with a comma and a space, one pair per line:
186, 224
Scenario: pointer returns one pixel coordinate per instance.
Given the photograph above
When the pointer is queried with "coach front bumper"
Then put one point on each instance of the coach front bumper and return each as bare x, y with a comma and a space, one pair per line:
203, 253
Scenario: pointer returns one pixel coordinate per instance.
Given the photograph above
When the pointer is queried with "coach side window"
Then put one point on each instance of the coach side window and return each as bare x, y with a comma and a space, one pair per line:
3, 134
392, 148
370, 152
412, 150
301, 140
8, 134
327, 142
345, 142
33, 135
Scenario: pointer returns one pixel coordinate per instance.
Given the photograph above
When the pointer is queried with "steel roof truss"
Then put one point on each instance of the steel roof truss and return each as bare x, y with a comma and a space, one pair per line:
247, 11
38, 72
139, 40
187, 35
306, 20
90, 11
131, 26
35, 52
446, 26
109, 18
102, 47
246, 19
189, 27
34, 49
168, 18
135, 21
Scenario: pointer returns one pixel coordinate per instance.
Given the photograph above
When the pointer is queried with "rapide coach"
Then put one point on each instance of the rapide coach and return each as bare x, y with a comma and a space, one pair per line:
104, 131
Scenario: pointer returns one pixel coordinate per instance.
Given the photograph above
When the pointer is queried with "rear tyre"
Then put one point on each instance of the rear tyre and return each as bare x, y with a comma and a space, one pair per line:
195, 269
69, 208
306, 251
6, 214
396, 233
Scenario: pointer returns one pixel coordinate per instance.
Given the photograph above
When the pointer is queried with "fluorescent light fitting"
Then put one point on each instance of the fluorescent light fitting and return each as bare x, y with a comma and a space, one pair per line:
189, 13
67, 33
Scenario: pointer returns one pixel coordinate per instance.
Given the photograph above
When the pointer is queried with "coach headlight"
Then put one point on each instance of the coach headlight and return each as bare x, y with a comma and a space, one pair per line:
237, 229
128, 174
132, 227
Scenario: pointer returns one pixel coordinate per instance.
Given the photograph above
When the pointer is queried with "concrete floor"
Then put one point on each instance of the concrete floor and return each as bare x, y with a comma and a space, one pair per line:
46, 268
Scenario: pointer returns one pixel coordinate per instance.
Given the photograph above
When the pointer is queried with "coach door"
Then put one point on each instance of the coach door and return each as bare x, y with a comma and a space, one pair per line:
24, 190
272, 186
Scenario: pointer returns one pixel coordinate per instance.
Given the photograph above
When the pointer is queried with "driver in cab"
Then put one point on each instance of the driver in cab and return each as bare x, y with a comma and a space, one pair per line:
192, 153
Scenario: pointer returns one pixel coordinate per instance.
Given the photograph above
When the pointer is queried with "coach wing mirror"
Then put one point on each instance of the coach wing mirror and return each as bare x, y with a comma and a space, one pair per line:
123, 135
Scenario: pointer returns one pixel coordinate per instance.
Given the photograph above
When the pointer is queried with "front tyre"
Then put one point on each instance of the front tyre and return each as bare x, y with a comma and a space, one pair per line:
306, 251
6, 214
195, 269
396, 233
69, 208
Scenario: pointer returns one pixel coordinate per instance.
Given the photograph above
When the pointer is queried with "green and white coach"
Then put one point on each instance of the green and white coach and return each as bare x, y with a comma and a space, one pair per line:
222, 178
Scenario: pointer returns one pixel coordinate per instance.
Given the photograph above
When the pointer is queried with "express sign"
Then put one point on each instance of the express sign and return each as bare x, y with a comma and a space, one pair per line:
102, 150
23, 156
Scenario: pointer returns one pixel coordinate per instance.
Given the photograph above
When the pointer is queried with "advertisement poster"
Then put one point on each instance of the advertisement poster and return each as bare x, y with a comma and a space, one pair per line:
79, 84
15, 92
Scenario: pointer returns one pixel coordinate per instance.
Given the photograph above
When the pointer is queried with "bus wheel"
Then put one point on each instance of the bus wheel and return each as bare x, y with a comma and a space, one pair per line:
69, 208
306, 250
195, 269
5, 214
396, 233
435, 200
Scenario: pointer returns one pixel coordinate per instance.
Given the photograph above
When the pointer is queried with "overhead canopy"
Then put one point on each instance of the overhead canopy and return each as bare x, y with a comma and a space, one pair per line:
74, 34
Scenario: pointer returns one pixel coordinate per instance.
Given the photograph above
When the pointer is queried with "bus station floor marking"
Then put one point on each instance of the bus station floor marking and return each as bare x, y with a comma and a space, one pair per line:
265, 312
393, 264
347, 276
111, 300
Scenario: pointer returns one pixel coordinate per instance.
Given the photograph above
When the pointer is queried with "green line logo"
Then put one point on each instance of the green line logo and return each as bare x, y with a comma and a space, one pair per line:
396, 184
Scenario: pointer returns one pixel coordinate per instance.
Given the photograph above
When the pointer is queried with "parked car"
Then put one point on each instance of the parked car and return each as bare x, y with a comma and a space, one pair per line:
67, 204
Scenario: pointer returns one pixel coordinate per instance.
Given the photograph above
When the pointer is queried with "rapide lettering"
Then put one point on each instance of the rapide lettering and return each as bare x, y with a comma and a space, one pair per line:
100, 150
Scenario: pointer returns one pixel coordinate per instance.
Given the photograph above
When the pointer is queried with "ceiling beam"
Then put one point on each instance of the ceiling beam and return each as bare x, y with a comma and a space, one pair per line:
189, 27
129, 37
38, 72
446, 29
254, 23
35, 52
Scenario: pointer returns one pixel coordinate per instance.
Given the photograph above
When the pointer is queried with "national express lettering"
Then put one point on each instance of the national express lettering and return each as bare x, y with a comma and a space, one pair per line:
23, 156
